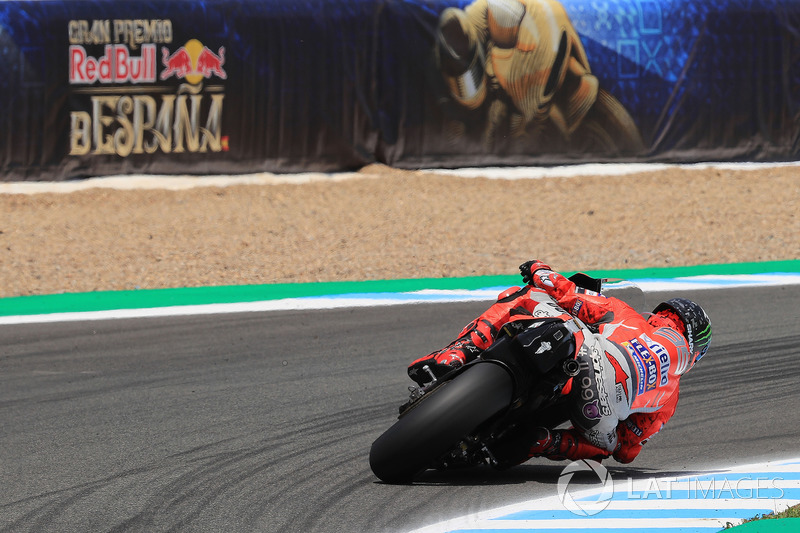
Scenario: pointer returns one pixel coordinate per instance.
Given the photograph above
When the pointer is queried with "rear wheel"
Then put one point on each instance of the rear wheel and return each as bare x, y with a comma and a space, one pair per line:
439, 421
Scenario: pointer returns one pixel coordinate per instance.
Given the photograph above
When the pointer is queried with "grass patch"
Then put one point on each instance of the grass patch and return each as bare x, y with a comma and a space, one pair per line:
791, 512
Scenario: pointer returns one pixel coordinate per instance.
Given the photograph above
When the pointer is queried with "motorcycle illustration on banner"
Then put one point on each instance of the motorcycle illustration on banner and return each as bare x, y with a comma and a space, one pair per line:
516, 71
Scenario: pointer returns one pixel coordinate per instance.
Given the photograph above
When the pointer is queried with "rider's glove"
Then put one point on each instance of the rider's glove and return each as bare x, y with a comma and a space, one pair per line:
529, 268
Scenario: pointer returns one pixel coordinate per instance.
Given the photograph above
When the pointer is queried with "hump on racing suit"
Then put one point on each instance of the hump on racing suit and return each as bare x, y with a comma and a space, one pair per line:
628, 386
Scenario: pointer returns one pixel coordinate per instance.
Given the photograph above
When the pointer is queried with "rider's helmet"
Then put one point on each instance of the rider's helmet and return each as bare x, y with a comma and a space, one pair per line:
697, 325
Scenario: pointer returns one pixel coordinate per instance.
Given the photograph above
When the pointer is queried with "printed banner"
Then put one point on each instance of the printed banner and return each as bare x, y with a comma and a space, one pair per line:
97, 88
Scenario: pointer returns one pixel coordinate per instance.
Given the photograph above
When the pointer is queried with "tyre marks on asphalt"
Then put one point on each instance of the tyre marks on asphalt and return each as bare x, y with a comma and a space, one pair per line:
246, 482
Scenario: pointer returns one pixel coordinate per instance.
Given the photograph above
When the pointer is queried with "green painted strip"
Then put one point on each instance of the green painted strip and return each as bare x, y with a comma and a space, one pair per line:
142, 299
107, 300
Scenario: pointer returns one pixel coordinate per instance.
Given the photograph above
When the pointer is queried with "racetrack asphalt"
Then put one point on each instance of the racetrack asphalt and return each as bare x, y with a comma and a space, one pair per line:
263, 421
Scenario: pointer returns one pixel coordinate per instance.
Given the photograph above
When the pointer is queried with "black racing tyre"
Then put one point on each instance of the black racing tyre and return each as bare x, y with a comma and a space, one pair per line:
438, 422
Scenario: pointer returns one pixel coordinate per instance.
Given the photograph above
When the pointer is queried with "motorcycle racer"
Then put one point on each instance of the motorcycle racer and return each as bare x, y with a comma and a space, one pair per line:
627, 387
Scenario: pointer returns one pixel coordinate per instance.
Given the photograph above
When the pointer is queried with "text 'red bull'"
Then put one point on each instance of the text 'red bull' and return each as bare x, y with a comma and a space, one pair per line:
117, 65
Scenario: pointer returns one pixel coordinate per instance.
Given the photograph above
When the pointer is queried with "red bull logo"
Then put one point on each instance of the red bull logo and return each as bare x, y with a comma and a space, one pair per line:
162, 117
117, 65
193, 62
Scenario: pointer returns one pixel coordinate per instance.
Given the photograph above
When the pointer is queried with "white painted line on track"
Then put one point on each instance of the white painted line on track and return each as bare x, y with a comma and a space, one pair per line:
718, 281
702, 502
383, 299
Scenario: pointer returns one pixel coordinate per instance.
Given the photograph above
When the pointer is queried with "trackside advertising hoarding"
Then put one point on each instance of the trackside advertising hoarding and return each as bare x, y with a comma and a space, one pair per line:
98, 87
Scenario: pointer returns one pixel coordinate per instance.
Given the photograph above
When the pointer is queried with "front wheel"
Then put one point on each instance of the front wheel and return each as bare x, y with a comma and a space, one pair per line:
435, 425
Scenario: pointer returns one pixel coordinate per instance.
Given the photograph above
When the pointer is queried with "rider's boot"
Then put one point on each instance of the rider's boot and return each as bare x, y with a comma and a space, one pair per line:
474, 338
560, 444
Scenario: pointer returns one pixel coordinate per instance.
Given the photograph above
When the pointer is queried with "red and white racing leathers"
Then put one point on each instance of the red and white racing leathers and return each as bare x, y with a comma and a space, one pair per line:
627, 387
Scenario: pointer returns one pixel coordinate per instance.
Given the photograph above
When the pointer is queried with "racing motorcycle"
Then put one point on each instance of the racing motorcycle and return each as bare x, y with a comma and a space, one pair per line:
472, 415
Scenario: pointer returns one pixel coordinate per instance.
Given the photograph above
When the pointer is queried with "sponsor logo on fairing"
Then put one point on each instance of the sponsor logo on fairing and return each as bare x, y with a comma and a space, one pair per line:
676, 339
580, 290
597, 364
592, 388
662, 356
544, 278
645, 365
652, 362
591, 410
620, 376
